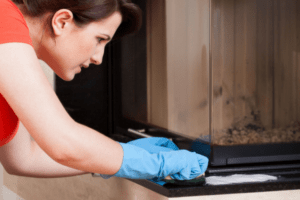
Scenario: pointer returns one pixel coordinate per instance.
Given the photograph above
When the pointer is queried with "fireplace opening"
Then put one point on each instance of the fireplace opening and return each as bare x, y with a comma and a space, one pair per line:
255, 61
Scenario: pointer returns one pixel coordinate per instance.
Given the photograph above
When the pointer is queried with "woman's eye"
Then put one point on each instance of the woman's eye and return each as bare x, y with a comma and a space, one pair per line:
100, 39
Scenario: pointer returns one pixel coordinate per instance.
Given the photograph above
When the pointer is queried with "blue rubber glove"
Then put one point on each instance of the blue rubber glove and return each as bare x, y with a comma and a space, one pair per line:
155, 144
140, 164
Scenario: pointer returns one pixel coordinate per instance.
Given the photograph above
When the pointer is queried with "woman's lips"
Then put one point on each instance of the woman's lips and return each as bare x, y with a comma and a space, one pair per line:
79, 68
85, 66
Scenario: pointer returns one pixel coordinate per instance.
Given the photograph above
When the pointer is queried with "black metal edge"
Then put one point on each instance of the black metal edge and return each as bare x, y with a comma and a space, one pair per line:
152, 186
254, 154
110, 124
150, 129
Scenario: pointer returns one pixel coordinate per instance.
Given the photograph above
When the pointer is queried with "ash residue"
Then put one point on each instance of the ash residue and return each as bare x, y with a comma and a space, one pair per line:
249, 130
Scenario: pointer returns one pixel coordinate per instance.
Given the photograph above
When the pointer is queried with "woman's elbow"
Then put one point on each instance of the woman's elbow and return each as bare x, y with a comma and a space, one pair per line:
15, 170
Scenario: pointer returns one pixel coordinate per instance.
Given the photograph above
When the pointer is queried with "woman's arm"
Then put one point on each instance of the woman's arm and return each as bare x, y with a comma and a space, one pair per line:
25, 87
23, 157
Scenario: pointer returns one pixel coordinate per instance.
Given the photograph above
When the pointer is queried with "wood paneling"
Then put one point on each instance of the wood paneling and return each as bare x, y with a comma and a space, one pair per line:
178, 65
286, 67
265, 61
156, 62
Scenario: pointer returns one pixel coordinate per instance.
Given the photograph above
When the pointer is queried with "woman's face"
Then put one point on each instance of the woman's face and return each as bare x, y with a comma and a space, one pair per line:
76, 47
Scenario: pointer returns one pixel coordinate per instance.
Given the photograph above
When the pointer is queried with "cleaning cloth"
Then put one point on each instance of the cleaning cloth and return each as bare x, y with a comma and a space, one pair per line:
238, 178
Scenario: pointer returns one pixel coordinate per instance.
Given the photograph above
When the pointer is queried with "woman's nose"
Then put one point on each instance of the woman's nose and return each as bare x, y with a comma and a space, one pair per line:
97, 57
96, 61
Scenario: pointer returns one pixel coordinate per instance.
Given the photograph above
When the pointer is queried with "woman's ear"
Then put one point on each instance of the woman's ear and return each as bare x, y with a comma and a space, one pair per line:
62, 20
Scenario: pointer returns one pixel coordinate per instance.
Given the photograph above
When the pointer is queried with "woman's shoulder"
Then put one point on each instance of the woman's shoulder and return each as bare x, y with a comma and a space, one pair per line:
13, 27
8, 4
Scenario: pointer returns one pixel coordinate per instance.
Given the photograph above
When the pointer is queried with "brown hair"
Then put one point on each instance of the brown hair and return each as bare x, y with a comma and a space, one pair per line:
86, 11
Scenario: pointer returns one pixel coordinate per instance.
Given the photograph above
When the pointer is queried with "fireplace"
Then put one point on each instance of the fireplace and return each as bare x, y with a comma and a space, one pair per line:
225, 72
221, 72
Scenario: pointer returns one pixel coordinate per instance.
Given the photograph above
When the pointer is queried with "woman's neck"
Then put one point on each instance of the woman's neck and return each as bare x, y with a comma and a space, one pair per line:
36, 27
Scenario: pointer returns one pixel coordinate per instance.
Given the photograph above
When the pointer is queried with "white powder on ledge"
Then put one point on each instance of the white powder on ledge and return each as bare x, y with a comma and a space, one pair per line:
238, 178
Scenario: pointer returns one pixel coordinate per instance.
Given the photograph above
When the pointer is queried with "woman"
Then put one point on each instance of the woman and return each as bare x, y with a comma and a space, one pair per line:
68, 35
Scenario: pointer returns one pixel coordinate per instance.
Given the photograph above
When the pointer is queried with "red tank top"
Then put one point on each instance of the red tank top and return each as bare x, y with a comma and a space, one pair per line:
13, 28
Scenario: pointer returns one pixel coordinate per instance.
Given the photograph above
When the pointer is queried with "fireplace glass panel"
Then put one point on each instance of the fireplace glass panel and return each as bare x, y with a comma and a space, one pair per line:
227, 70
255, 71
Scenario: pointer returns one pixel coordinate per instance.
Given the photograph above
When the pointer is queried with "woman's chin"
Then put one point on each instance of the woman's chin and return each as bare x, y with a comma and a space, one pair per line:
66, 77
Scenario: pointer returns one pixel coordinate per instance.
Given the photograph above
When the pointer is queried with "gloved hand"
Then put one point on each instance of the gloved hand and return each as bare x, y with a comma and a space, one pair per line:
140, 164
155, 144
